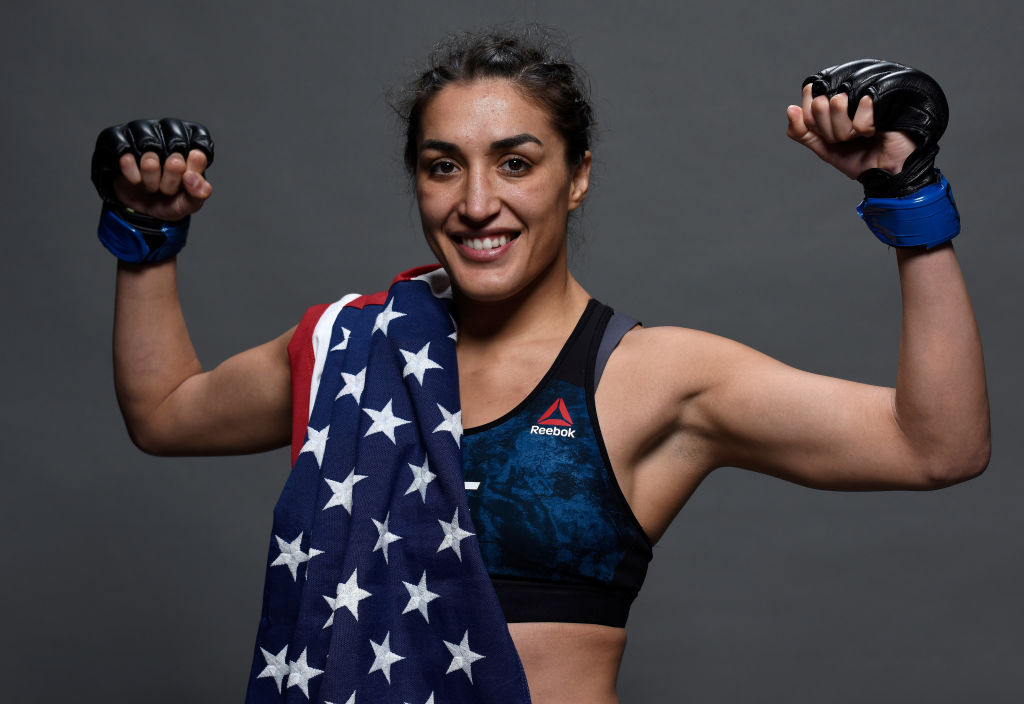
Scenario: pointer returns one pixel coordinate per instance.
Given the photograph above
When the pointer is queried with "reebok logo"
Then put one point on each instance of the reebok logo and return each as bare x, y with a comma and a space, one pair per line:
558, 414
555, 421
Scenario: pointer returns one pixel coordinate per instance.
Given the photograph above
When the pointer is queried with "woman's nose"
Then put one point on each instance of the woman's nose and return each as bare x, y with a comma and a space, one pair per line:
480, 200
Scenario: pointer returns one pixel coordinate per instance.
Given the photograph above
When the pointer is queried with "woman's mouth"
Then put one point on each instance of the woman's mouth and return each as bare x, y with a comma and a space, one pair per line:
485, 247
486, 242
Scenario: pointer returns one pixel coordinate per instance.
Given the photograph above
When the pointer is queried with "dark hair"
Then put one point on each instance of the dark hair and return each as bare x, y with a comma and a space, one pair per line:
529, 59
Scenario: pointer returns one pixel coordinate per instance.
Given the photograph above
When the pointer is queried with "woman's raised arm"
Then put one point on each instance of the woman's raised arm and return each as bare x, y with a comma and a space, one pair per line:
933, 428
151, 184
930, 431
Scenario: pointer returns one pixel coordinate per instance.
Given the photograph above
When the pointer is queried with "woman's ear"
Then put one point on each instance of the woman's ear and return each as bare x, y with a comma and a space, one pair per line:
580, 182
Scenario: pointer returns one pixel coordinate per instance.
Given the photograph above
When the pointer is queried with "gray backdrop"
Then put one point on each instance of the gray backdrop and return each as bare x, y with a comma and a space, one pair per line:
131, 578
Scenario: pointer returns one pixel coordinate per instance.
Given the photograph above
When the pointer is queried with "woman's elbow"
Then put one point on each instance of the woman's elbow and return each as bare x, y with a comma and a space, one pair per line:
146, 438
958, 466
152, 432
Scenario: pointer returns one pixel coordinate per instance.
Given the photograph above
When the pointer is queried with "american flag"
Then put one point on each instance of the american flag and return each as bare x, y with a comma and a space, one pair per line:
375, 589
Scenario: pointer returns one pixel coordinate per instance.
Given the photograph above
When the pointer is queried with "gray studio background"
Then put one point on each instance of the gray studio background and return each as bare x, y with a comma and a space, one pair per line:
132, 578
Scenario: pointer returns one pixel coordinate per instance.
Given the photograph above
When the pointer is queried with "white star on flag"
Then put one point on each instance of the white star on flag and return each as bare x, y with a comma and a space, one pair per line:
430, 699
383, 658
300, 673
276, 667
453, 535
419, 597
316, 441
354, 384
292, 555
342, 495
385, 537
348, 597
343, 345
462, 657
417, 364
421, 476
452, 423
385, 317
384, 421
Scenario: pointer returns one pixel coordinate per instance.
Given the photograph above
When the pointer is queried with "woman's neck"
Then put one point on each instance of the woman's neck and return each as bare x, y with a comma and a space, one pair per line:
548, 307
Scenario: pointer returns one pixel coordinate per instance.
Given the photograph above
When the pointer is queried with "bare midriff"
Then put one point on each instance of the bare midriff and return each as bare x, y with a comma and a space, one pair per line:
570, 663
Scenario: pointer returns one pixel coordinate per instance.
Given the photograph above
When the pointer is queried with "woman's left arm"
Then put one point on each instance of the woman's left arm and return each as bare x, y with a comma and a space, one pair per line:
931, 430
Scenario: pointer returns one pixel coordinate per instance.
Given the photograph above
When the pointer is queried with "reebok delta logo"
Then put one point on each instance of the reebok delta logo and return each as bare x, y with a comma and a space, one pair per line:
555, 421
558, 414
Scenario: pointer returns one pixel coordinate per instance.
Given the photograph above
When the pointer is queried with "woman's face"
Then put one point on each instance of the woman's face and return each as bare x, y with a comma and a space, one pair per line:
494, 189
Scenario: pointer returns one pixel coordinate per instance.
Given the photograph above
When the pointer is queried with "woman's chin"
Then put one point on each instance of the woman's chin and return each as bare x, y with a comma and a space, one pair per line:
483, 289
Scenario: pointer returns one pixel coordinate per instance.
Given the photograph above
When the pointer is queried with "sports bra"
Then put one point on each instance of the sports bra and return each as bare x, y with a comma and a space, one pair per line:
558, 538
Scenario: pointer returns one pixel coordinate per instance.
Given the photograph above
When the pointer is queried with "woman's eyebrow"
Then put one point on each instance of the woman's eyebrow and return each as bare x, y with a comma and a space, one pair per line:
513, 142
438, 145
497, 145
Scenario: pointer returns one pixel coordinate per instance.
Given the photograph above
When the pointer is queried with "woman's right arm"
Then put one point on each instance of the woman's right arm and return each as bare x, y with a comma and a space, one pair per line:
170, 405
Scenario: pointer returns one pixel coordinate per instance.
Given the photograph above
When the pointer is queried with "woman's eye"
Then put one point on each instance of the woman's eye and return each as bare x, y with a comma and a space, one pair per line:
443, 168
515, 165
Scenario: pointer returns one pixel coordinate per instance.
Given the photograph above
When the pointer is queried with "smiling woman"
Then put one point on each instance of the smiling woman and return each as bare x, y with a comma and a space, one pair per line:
562, 480
495, 191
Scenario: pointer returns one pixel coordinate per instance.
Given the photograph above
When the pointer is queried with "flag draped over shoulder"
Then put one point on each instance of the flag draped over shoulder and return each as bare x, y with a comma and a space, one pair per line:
375, 590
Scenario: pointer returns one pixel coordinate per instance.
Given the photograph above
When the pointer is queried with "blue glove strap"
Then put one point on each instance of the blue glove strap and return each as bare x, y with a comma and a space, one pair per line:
141, 239
926, 217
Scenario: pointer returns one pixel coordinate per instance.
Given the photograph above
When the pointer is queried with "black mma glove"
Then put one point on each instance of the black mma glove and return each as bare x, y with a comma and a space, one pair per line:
131, 236
163, 137
905, 100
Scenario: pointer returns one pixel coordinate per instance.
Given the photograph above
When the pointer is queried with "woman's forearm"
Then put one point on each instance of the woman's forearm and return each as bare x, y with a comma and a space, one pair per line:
153, 353
941, 401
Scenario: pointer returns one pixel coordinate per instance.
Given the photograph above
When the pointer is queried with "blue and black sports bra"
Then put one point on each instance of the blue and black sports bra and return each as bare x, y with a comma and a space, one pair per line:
558, 537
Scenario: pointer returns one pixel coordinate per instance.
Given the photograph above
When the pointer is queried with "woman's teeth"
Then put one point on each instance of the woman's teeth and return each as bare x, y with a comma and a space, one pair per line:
486, 242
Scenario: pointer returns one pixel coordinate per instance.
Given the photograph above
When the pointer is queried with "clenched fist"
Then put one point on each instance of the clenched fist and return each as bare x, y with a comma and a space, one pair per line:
876, 121
154, 167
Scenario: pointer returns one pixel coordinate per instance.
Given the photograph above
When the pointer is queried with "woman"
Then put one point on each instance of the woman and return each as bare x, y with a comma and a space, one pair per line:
498, 147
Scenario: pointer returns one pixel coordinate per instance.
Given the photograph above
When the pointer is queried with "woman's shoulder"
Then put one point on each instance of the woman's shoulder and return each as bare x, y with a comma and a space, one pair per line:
663, 365
662, 349
669, 367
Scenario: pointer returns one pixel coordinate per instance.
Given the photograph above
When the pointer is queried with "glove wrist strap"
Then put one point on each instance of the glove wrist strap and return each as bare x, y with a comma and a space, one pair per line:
136, 238
926, 217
